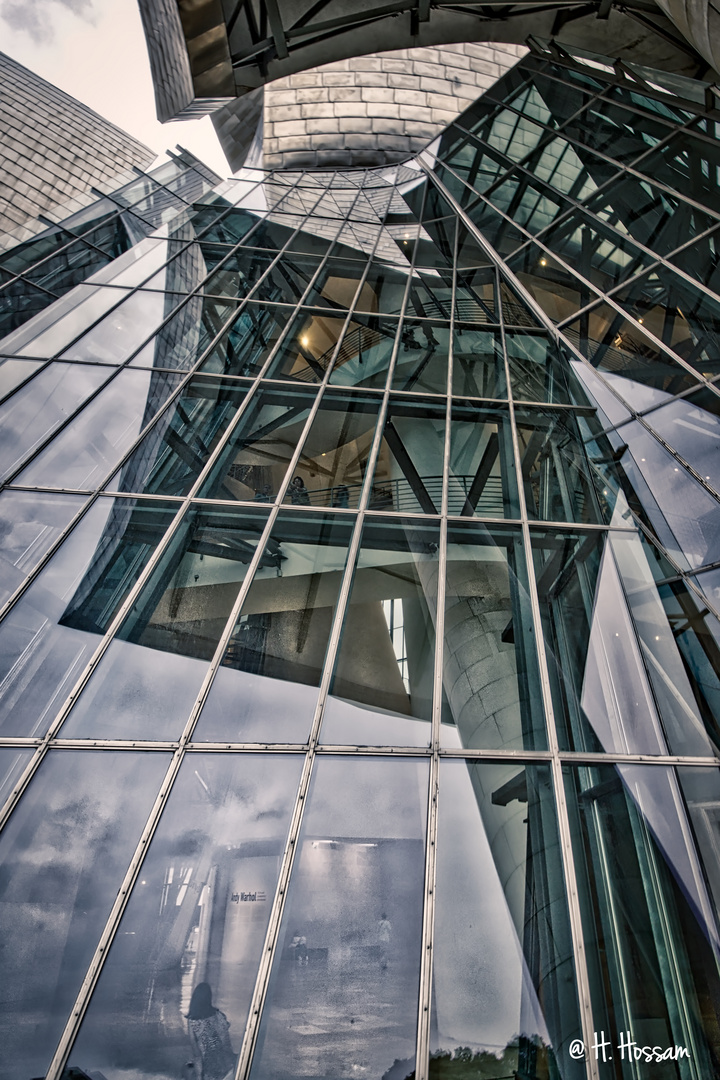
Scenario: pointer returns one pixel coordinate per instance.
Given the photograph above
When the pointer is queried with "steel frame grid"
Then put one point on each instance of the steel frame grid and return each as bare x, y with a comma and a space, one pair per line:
313, 748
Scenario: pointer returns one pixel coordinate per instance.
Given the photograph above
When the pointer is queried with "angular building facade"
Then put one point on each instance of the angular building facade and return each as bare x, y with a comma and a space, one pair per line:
54, 150
360, 685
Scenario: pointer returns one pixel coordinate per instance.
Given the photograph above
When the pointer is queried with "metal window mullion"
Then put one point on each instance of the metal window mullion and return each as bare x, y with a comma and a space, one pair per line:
425, 1003
25, 360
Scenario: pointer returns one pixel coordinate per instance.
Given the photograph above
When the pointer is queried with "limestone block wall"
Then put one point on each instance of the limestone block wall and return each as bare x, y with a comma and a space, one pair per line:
377, 109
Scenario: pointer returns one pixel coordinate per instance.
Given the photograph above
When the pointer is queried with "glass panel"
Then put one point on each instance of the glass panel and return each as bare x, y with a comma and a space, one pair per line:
497, 230
332, 465
408, 473
500, 908
343, 993
30, 522
599, 253
493, 698
557, 477
557, 291
262, 693
423, 357
43, 404
118, 335
309, 346
253, 464
681, 513
634, 662
92, 444
52, 330
650, 928
691, 426
571, 170
702, 261
383, 290
681, 316
64, 853
195, 923
482, 470
182, 340
615, 131
13, 373
659, 219
51, 633
527, 202
174, 452
478, 365
633, 364
364, 356
689, 164
13, 763
539, 369
383, 682
246, 346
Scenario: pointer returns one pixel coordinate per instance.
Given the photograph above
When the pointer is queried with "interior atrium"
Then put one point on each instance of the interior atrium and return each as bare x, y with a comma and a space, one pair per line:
359, 636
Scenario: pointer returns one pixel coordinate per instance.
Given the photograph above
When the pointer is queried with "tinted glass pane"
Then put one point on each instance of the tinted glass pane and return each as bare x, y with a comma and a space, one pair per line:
252, 465
43, 404
334, 454
500, 909
83, 454
492, 690
634, 662
423, 357
197, 917
173, 453
30, 522
481, 482
51, 633
383, 682
650, 928
183, 338
82, 815
280, 636
348, 955
408, 474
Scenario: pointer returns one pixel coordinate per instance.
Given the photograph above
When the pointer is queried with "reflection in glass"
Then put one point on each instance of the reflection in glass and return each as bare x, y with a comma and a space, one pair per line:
504, 997
41, 405
556, 474
50, 634
95, 440
343, 992
30, 522
423, 357
649, 925
478, 365
280, 636
634, 663
493, 697
383, 682
198, 915
175, 450
332, 464
80, 820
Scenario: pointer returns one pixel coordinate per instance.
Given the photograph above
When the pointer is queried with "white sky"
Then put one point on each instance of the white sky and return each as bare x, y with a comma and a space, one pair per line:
95, 50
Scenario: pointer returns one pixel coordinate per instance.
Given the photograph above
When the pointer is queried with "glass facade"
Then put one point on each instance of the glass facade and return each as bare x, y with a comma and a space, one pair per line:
360, 624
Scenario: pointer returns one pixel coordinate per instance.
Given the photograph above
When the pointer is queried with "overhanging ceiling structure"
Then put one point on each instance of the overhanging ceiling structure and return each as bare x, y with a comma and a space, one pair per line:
205, 53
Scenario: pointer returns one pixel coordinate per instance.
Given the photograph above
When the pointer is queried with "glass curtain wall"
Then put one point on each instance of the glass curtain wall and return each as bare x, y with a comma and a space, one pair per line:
360, 624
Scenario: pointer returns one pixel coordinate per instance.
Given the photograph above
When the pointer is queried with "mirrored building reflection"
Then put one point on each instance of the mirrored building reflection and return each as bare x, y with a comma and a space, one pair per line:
360, 624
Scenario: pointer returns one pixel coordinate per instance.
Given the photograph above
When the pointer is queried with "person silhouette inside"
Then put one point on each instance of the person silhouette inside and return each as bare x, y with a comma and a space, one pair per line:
209, 1031
299, 494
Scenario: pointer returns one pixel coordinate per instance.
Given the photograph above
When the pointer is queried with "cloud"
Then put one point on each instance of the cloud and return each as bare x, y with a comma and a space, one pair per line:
35, 17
